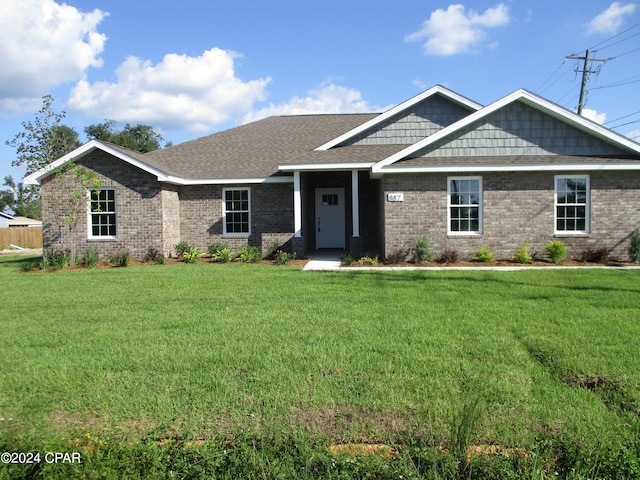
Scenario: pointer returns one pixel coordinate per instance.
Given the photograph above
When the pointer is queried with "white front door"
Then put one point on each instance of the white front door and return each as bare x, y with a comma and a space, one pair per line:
330, 228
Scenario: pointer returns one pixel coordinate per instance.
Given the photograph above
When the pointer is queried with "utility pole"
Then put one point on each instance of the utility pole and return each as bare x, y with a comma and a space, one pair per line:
585, 74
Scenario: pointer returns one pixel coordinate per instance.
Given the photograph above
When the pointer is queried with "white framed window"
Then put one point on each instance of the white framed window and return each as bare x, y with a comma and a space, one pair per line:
464, 205
572, 204
102, 213
236, 211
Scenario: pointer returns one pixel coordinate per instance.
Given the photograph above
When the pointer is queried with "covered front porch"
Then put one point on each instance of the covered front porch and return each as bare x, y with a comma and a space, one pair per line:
337, 210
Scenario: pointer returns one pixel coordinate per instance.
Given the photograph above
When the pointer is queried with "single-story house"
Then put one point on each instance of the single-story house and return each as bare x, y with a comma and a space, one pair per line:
4, 219
520, 170
7, 220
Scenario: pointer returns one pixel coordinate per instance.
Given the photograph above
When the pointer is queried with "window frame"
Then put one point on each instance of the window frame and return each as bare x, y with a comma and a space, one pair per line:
450, 206
586, 204
225, 232
91, 213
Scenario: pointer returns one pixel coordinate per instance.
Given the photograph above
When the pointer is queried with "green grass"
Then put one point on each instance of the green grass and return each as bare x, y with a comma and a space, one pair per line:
266, 366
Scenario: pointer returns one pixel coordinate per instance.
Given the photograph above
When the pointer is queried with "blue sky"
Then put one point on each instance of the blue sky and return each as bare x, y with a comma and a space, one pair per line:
191, 68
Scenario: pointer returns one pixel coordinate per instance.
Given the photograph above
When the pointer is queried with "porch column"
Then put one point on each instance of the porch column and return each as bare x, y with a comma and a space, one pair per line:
297, 205
355, 203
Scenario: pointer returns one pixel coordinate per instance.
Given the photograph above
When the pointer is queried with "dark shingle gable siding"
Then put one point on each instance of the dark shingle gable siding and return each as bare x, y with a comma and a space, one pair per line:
518, 130
415, 124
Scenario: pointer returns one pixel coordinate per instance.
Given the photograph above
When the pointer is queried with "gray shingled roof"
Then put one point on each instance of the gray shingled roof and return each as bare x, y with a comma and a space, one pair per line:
256, 149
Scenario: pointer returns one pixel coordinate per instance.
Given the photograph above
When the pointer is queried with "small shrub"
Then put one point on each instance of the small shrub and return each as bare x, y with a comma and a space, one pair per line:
220, 252
272, 251
484, 254
181, 247
422, 250
154, 255
90, 258
634, 249
368, 260
348, 259
121, 259
556, 250
283, 258
248, 254
522, 255
448, 256
28, 266
594, 255
56, 259
398, 256
191, 255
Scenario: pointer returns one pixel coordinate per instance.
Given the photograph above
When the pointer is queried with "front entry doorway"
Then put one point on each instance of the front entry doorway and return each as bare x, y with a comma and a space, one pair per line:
330, 221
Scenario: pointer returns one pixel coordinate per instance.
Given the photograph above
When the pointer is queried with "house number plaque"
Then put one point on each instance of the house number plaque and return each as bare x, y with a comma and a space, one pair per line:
395, 197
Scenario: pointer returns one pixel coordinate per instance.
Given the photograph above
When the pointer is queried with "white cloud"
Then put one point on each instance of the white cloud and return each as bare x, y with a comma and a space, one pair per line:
43, 44
452, 31
611, 19
180, 92
594, 115
329, 98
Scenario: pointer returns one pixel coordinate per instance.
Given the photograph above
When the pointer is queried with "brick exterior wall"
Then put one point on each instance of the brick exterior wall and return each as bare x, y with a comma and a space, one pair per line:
139, 219
150, 214
201, 221
170, 218
517, 208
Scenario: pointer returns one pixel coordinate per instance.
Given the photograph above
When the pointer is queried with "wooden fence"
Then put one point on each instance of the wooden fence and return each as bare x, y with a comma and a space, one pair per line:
25, 237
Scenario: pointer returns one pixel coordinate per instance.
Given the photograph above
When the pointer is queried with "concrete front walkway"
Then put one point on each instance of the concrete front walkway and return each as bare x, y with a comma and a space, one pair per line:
324, 261
331, 261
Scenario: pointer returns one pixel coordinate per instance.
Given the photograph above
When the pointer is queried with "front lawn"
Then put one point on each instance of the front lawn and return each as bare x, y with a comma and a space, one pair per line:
255, 370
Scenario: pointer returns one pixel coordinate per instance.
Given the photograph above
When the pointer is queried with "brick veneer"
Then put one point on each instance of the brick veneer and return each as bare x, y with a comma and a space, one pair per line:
517, 208
139, 201
155, 215
201, 222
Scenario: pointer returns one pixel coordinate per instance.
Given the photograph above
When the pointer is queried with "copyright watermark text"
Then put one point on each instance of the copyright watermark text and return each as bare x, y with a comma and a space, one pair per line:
21, 458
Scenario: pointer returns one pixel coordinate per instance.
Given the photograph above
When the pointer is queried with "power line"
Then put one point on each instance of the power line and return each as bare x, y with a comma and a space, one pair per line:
618, 42
550, 77
625, 53
619, 83
620, 118
614, 36
623, 124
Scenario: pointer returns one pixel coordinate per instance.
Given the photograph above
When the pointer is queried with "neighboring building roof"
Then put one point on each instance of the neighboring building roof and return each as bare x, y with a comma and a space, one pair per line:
24, 222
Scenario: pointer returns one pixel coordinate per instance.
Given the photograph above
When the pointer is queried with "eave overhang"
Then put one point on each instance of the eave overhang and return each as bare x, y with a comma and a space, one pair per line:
533, 167
325, 167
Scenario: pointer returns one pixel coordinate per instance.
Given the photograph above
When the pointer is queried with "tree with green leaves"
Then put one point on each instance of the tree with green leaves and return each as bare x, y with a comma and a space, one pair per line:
44, 140
22, 200
141, 138
69, 205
